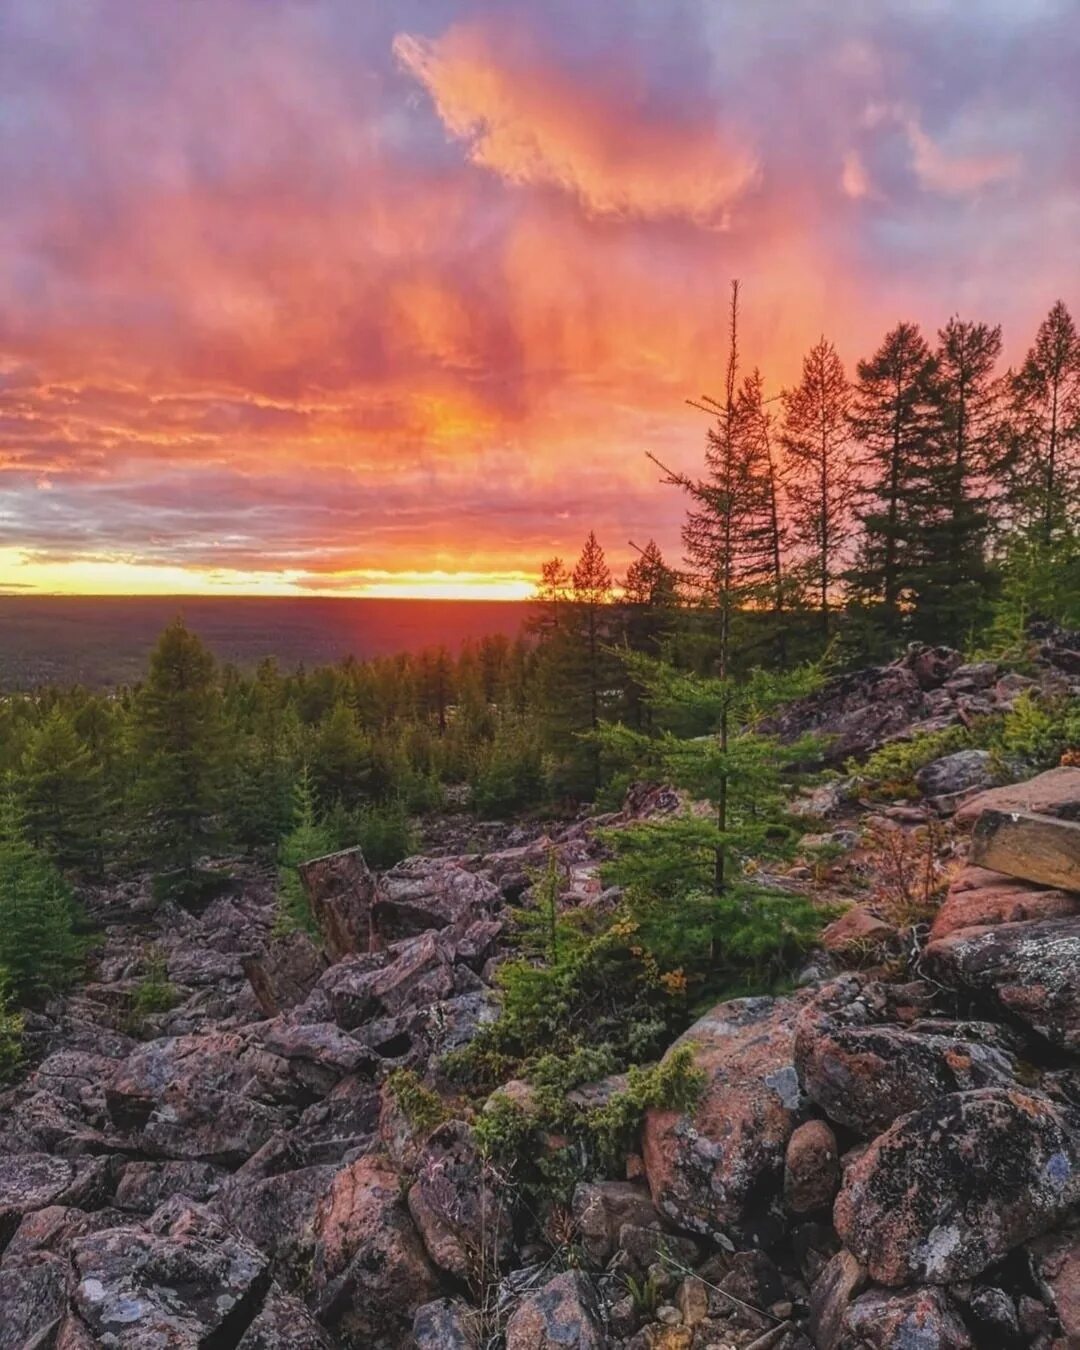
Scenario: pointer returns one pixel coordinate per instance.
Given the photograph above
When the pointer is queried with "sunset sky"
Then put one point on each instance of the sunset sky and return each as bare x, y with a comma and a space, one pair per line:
393, 297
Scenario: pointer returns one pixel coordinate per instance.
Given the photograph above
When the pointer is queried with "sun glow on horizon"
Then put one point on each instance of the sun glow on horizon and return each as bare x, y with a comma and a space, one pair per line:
22, 574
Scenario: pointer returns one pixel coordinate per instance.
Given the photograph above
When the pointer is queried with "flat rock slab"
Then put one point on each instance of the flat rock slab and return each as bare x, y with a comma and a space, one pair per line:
1032, 847
1054, 793
1032, 970
980, 897
948, 1190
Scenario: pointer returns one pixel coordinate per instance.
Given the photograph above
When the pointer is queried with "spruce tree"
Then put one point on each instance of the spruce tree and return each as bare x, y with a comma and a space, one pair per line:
1044, 411
38, 948
821, 484
891, 420
179, 738
961, 468
63, 795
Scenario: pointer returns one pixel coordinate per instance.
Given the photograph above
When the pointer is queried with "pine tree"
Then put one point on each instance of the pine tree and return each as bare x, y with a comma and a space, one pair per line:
179, 737
591, 589
341, 760
1045, 426
63, 795
38, 948
308, 838
821, 484
961, 467
891, 419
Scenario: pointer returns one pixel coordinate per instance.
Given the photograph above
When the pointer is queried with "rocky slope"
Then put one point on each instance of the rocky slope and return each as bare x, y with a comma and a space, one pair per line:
888, 1157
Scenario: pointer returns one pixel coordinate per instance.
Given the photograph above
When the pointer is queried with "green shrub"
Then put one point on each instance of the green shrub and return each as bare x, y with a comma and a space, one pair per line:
155, 992
422, 1108
11, 1031
891, 770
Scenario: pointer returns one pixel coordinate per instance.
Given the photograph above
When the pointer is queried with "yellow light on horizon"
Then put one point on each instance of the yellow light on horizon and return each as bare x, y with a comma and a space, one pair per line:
20, 574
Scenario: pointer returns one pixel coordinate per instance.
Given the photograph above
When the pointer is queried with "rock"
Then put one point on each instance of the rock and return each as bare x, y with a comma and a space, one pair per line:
420, 972
340, 890
962, 771
283, 1323
370, 1267
641, 1247
721, 1166
822, 802
979, 898
854, 713
30, 1181
143, 1186
1055, 1267
993, 1314
920, 1320
276, 1213
563, 1315
973, 676
864, 1074
931, 666
601, 1208
811, 1167
424, 893
322, 1045
1053, 793
184, 1280
858, 928
840, 1281
446, 1325
461, 1211
1034, 848
285, 972
948, 1190
1032, 970
32, 1299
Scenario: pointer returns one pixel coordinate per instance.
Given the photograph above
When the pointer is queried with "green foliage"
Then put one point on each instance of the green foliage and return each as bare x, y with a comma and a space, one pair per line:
422, 1108
1040, 580
1034, 733
62, 790
597, 1137
179, 735
891, 771
384, 832
155, 992
11, 1033
39, 950
306, 840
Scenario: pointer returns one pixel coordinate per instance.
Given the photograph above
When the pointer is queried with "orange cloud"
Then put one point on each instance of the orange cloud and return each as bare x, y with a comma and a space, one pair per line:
531, 124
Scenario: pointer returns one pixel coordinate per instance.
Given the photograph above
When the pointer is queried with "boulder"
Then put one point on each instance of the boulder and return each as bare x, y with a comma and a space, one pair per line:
460, 1209
563, 1315
864, 1073
1031, 970
370, 1269
962, 771
418, 973
841, 1279
857, 929
601, 1208
1053, 793
1055, 1268
30, 1181
948, 1190
283, 1323
423, 893
446, 1324
285, 972
979, 898
922, 1318
32, 1298
276, 1213
183, 1280
811, 1167
340, 891
721, 1166
144, 1186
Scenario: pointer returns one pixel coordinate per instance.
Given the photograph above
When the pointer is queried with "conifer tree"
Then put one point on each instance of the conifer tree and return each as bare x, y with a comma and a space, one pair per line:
960, 471
891, 419
63, 797
591, 589
38, 947
1045, 427
341, 761
821, 484
179, 738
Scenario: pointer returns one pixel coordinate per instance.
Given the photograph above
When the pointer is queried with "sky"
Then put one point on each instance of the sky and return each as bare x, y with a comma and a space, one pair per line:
360, 297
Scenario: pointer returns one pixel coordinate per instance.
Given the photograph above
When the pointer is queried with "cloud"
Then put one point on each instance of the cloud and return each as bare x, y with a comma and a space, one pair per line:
529, 123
